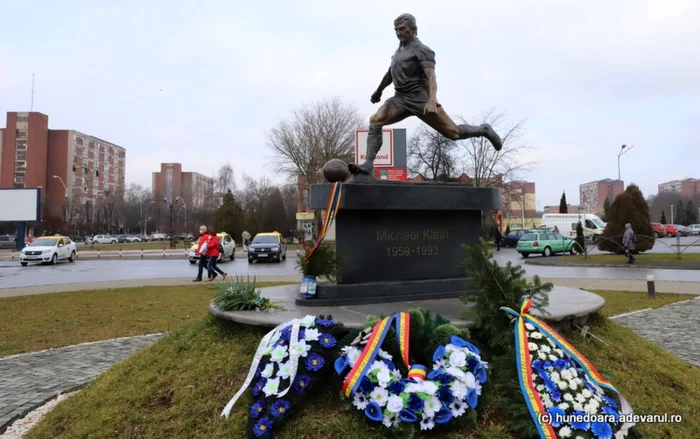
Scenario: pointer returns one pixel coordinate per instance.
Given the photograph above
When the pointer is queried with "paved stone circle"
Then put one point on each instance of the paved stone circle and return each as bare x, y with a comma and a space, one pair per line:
29, 380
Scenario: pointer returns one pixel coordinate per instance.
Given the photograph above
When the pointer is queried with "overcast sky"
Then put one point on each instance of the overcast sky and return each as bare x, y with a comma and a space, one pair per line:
200, 82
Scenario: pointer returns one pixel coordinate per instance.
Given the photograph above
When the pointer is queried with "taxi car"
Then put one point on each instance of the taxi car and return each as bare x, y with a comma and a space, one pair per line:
227, 249
267, 247
48, 249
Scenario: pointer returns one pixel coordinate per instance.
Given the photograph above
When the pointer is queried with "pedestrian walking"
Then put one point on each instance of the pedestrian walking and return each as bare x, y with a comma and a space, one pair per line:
497, 237
202, 252
629, 242
213, 254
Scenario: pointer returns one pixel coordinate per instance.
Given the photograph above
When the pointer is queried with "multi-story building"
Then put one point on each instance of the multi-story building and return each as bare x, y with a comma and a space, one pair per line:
519, 197
686, 188
72, 168
170, 183
571, 208
593, 194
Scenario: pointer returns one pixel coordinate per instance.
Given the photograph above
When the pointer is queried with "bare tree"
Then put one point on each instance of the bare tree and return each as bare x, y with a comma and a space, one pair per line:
224, 180
432, 155
490, 168
315, 133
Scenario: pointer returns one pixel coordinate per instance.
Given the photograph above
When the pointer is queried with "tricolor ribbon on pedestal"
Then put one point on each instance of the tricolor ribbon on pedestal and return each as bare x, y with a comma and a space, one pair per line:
524, 362
331, 211
369, 353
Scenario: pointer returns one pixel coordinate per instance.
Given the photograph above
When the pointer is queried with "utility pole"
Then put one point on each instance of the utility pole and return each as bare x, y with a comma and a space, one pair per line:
623, 150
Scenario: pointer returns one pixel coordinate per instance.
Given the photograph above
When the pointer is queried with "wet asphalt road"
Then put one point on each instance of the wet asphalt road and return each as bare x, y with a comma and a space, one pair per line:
13, 275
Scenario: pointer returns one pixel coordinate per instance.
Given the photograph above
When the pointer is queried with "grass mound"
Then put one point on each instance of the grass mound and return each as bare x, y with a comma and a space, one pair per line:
178, 387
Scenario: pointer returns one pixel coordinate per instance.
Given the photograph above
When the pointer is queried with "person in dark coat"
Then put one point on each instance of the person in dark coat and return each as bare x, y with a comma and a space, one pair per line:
497, 237
629, 242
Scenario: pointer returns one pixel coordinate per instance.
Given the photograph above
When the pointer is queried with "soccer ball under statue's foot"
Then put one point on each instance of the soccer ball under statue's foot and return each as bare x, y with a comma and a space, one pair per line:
335, 170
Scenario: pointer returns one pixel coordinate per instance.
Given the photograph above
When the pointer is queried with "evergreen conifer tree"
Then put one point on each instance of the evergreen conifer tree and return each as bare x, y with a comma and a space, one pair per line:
229, 216
563, 207
628, 207
606, 209
663, 217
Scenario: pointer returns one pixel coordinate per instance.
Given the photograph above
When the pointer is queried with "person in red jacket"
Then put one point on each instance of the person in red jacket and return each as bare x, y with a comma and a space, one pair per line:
213, 254
201, 252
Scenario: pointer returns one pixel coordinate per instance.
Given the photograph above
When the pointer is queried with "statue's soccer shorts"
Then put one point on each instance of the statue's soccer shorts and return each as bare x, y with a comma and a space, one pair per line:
410, 105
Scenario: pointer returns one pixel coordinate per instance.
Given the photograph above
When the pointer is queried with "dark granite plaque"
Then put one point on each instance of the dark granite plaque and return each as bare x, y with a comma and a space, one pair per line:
402, 241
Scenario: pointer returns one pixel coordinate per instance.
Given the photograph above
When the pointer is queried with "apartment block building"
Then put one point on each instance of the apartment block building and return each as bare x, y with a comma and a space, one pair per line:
75, 170
686, 188
594, 193
171, 182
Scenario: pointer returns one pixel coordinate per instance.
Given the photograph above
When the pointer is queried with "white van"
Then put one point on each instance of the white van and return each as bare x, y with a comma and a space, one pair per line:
567, 222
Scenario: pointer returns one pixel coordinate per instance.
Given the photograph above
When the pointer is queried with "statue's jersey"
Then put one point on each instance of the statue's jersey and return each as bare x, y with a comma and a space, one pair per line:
407, 67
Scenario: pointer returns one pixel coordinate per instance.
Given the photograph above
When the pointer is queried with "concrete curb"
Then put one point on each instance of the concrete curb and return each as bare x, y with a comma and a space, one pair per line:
638, 265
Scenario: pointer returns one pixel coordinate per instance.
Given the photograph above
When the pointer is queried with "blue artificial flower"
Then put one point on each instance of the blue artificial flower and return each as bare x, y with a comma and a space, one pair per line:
472, 361
537, 364
611, 411
286, 333
610, 401
366, 385
561, 364
374, 412
602, 430
327, 341
548, 364
301, 382
389, 364
549, 384
480, 373
263, 427
280, 408
257, 409
314, 362
463, 344
472, 398
445, 378
435, 373
257, 388
396, 387
326, 323
302, 335
554, 412
341, 363
415, 404
590, 387
407, 416
258, 373
439, 353
445, 395
580, 425
556, 395
443, 416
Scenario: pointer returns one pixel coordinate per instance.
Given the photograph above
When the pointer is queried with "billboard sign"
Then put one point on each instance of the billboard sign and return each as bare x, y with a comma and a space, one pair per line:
20, 205
391, 174
385, 156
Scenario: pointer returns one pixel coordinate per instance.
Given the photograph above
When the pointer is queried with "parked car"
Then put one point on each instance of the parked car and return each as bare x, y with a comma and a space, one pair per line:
49, 249
267, 247
227, 249
8, 241
659, 230
158, 237
511, 239
546, 244
694, 229
671, 230
682, 230
103, 239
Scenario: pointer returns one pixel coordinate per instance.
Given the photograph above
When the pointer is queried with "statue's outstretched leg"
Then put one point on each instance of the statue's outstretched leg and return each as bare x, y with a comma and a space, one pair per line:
467, 131
389, 113
444, 124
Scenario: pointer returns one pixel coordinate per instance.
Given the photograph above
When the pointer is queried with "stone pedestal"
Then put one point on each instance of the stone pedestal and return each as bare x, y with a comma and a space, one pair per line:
402, 241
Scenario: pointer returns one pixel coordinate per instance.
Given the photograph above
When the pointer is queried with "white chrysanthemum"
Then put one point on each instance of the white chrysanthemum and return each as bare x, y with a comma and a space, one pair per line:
559, 352
568, 397
552, 358
285, 370
384, 377
432, 406
533, 376
279, 353
459, 389
380, 396
540, 388
573, 385
564, 406
555, 376
379, 366
590, 409
384, 354
360, 401
458, 408
308, 321
529, 327
353, 356
536, 335
271, 387
477, 389
586, 393
542, 356
267, 351
302, 348
578, 406
551, 343
394, 404
457, 373
533, 346
469, 380
546, 349
563, 385
413, 388
311, 334
451, 348
566, 375
580, 398
547, 402
427, 423
565, 431
396, 374
458, 359
275, 338
268, 371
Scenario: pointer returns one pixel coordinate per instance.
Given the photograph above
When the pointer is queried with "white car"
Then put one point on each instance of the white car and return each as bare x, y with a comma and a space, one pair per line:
227, 249
103, 239
694, 229
49, 249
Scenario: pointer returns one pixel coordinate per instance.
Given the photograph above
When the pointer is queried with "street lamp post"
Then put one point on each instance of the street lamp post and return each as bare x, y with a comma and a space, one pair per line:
671, 213
185, 206
144, 219
623, 150
170, 207
70, 204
